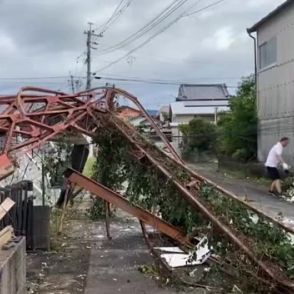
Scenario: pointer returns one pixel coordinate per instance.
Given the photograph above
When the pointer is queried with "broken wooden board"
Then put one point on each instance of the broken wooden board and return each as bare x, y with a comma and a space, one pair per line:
6, 235
5, 206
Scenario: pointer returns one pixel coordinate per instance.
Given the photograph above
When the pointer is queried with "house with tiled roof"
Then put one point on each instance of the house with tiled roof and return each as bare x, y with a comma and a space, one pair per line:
197, 101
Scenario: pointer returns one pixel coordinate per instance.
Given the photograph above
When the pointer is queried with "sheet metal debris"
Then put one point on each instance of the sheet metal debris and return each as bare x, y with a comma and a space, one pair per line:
196, 257
170, 249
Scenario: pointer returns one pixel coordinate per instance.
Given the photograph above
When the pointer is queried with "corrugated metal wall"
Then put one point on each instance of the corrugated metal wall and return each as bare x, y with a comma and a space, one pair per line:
276, 86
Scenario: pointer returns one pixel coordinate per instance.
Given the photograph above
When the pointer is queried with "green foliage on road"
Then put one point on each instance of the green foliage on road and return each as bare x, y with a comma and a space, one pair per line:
199, 136
238, 128
270, 240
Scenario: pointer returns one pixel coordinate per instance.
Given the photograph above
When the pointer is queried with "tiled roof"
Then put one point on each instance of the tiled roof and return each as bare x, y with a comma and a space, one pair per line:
164, 108
126, 112
203, 92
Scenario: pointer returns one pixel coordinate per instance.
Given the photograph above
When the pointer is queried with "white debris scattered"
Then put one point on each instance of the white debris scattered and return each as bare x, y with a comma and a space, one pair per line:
177, 260
254, 217
99, 236
288, 222
170, 249
288, 199
195, 257
192, 273
236, 289
207, 269
290, 238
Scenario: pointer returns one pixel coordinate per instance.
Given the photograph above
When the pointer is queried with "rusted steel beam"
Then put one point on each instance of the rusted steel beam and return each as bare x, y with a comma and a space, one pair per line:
118, 200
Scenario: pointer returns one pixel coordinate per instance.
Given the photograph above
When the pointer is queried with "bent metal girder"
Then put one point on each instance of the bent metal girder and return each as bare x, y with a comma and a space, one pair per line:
35, 116
100, 191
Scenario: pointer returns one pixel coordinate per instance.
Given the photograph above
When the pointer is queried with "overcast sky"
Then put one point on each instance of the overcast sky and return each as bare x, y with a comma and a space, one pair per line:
43, 38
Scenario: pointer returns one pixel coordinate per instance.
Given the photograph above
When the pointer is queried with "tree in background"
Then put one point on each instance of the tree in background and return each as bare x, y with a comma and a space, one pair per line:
198, 136
238, 128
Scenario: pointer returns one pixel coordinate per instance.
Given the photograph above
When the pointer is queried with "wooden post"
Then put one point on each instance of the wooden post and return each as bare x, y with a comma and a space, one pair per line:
68, 188
107, 221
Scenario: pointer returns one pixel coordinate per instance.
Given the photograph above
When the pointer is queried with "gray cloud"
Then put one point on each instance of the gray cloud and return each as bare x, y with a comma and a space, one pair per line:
43, 38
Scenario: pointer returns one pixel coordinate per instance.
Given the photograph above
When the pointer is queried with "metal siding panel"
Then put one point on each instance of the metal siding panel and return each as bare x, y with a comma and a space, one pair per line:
270, 131
276, 87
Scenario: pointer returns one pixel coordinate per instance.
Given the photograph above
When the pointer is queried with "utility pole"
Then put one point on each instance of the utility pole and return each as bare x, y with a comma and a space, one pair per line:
90, 34
74, 83
71, 82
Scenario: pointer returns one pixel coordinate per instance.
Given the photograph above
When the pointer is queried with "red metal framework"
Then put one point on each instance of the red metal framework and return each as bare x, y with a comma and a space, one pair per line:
36, 115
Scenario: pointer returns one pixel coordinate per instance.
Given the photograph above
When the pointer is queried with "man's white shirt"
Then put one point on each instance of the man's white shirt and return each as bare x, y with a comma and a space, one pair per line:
273, 158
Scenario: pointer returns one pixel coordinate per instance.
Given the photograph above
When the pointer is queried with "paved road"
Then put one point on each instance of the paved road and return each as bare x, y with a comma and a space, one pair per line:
114, 264
256, 193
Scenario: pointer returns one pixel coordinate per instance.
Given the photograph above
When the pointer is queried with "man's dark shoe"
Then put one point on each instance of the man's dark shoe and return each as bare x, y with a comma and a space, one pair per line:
274, 193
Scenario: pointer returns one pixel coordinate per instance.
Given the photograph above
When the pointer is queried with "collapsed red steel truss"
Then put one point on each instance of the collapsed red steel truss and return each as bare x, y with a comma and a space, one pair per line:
36, 115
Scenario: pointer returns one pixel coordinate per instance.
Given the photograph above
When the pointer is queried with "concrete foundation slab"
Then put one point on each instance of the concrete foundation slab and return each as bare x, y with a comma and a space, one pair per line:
13, 269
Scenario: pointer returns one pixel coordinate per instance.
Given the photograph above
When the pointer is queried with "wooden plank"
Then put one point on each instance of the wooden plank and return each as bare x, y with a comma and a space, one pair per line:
6, 235
5, 206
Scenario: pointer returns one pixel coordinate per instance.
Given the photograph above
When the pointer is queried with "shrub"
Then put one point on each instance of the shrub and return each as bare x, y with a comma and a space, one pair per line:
198, 136
237, 130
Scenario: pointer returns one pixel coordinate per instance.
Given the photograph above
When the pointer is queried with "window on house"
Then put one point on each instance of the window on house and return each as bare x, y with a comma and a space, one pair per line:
268, 53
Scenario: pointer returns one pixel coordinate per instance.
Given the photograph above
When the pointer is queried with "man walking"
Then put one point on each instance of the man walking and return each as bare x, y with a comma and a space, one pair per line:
275, 158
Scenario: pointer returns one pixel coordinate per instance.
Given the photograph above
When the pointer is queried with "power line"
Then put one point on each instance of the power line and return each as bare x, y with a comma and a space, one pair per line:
141, 45
33, 78
152, 37
118, 11
154, 79
106, 77
205, 7
166, 12
150, 81
39, 82
102, 27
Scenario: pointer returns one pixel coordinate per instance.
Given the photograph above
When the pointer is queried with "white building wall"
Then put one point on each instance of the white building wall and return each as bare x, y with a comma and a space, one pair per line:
275, 85
185, 119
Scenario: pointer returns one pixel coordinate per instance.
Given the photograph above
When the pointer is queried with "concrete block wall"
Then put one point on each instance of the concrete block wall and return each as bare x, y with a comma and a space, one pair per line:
13, 269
